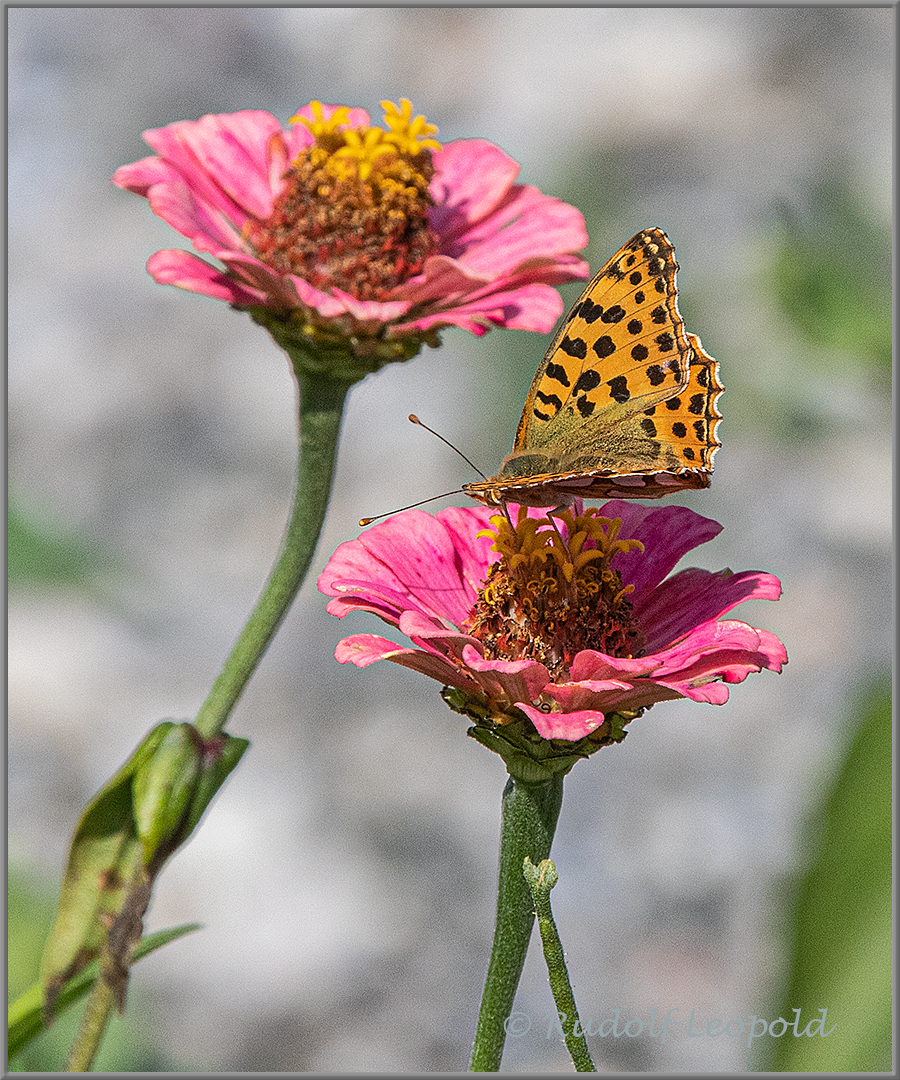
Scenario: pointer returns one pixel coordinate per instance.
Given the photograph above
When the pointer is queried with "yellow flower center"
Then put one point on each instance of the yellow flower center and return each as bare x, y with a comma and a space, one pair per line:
548, 597
353, 214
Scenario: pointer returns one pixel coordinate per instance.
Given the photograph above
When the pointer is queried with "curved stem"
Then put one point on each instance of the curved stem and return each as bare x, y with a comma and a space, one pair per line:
530, 813
92, 1028
321, 403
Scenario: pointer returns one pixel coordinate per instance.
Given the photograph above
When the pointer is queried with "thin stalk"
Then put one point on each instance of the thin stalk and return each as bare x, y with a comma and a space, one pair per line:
530, 813
541, 880
92, 1028
321, 402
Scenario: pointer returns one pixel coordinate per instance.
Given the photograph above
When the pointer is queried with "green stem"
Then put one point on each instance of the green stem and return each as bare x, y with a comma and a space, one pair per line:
530, 813
321, 402
93, 1025
541, 880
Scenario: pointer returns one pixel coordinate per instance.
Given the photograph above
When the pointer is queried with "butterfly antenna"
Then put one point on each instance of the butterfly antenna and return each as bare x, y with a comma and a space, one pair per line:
413, 419
368, 521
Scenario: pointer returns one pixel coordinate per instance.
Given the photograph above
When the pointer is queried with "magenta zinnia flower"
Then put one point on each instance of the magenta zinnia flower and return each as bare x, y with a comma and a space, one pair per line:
577, 629
337, 224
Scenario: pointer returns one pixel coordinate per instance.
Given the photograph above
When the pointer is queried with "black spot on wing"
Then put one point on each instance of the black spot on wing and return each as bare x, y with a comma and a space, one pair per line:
558, 373
604, 346
618, 389
549, 399
589, 311
576, 347
587, 380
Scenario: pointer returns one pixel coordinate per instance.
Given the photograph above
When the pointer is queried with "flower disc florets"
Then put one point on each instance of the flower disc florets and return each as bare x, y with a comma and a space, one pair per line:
353, 213
549, 596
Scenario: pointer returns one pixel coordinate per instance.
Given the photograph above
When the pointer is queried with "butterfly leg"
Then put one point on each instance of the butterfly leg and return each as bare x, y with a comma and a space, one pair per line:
551, 514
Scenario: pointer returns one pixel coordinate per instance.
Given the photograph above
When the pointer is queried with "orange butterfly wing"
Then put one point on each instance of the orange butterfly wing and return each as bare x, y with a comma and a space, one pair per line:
624, 401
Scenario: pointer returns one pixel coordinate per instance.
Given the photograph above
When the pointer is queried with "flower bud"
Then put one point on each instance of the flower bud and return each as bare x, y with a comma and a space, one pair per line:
164, 785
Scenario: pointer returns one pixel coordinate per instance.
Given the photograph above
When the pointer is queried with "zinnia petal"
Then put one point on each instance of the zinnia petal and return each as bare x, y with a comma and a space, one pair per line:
173, 267
505, 241
521, 680
570, 726
694, 596
667, 534
365, 649
531, 307
412, 555
222, 157
471, 178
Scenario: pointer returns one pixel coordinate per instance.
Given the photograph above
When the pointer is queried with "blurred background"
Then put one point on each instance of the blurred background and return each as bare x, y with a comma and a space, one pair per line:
345, 875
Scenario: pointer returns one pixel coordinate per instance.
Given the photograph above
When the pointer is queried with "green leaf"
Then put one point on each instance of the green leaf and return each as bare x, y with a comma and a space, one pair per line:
842, 932
26, 1019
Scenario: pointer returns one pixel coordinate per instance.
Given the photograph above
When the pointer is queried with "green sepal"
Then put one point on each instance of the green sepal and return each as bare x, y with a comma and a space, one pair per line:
173, 788
319, 351
522, 761
528, 756
223, 753
469, 705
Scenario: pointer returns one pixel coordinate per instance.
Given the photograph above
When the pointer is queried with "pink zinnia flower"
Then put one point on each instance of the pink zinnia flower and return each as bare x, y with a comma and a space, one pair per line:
578, 629
335, 224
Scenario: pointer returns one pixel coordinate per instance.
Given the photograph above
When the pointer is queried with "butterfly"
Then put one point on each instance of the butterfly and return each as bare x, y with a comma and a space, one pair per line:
624, 401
